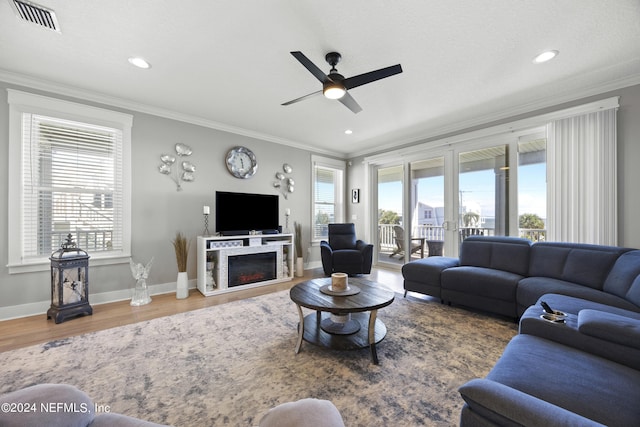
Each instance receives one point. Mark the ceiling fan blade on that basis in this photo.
(348, 101)
(302, 98)
(371, 76)
(310, 66)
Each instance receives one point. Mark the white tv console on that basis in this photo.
(213, 254)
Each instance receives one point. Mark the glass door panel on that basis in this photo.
(390, 190)
(483, 192)
(532, 188)
(427, 236)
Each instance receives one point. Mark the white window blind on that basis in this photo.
(325, 199)
(70, 185)
(328, 195)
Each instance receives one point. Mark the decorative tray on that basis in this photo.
(351, 290)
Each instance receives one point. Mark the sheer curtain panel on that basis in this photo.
(582, 178)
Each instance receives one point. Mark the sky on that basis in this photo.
(476, 189)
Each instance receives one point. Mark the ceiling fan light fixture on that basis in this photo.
(333, 90)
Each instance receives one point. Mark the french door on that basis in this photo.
(389, 210)
(459, 193)
(432, 230)
(428, 204)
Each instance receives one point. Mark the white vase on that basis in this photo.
(182, 285)
(299, 267)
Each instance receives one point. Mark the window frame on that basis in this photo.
(24, 102)
(508, 131)
(339, 204)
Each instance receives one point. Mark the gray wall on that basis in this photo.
(628, 162)
(157, 209)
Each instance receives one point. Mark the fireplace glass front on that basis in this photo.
(252, 268)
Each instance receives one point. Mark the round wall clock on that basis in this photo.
(241, 162)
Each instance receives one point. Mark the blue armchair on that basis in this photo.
(343, 253)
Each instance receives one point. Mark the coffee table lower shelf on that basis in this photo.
(314, 334)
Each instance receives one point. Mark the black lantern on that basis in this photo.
(69, 282)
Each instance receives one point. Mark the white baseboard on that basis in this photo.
(41, 307)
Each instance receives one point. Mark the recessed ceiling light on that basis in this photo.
(139, 62)
(545, 56)
(348, 131)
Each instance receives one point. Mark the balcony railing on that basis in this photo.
(387, 242)
(533, 234)
(89, 240)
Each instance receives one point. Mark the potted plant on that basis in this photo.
(297, 227)
(181, 246)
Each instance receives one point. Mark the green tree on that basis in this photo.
(322, 218)
(388, 217)
(531, 221)
(528, 224)
(471, 219)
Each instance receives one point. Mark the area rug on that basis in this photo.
(226, 365)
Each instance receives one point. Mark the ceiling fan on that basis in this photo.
(335, 85)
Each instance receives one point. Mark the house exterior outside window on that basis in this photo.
(69, 170)
(328, 195)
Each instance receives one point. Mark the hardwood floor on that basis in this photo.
(26, 331)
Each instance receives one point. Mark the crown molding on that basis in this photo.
(100, 98)
(526, 108)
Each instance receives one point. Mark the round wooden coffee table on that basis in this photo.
(342, 322)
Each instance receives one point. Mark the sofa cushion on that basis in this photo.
(304, 412)
(496, 284)
(427, 269)
(588, 265)
(491, 404)
(48, 394)
(624, 278)
(500, 253)
(588, 385)
(633, 295)
(568, 333)
(573, 305)
(610, 327)
(347, 256)
(531, 289)
(423, 275)
(342, 236)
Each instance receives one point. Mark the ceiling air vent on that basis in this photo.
(36, 14)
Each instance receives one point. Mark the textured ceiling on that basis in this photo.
(226, 64)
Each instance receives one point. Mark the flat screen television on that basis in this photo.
(239, 213)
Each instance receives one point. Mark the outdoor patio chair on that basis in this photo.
(399, 238)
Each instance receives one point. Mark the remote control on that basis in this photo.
(546, 307)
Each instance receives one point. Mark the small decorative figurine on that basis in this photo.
(140, 272)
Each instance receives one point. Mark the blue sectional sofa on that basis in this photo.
(506, 275)
(582, 369)
(539, 382)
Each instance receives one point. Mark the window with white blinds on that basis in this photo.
(70, 185)
(69, 174)
(328, 196)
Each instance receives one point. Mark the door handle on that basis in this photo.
(446, 225)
